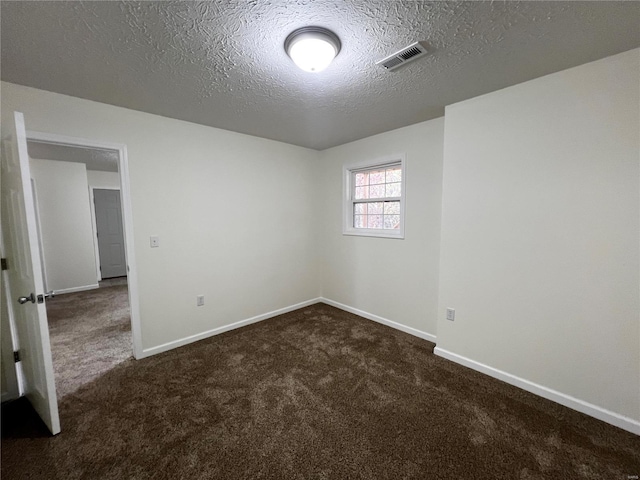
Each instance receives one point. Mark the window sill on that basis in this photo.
(374, 233)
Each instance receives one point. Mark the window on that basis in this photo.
(374, 198)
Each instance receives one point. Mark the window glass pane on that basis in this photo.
(375, 207)
(374, 221)
(376, 191)
(393, 190)
(391, 208)
(394, 174)
(371, 191)
(362, 192)
(391, 222)
(362, 178)
(376, 177)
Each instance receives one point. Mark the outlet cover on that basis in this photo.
(451, 314)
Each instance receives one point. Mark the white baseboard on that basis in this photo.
(147, 352)
(385, 321)
(600, 413)
(76, 289)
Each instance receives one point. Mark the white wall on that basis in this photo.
(100, 179)
(391, 278)
(540, 232)
(233, 212)
(65, 221)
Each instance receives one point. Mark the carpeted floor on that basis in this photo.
(90, 334)
(314, 394)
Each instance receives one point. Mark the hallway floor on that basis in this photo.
(90, 334)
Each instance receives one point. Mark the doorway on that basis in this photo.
(107, 218)
(79, 212)
(107, 307)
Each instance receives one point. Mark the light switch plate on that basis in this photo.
(451, 314)
(155, 241)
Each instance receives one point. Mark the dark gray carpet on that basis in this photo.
(314, 394)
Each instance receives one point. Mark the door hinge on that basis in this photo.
(5, 264)
(16, 356)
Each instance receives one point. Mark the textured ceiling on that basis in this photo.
(222, 63)
(93, 158)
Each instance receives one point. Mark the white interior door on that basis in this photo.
(110, 233)
(25, 274)
(10, 385)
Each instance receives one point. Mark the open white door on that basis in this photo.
(25, 274)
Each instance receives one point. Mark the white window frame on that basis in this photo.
(348, 201)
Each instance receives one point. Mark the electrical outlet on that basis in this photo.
(200, 300)
(154, 240)
(451, 314)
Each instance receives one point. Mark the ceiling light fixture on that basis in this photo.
(312, 48)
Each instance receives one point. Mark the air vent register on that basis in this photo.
(406, 55)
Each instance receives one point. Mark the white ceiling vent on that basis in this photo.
(406, 55)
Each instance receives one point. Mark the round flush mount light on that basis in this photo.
(312, 48)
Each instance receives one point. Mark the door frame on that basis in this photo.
(36, 209)
(127, 219)
(94, 223)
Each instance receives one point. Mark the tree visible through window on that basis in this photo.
(374, 203)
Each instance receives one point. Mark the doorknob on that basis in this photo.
(49, 294)
(31, 298)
